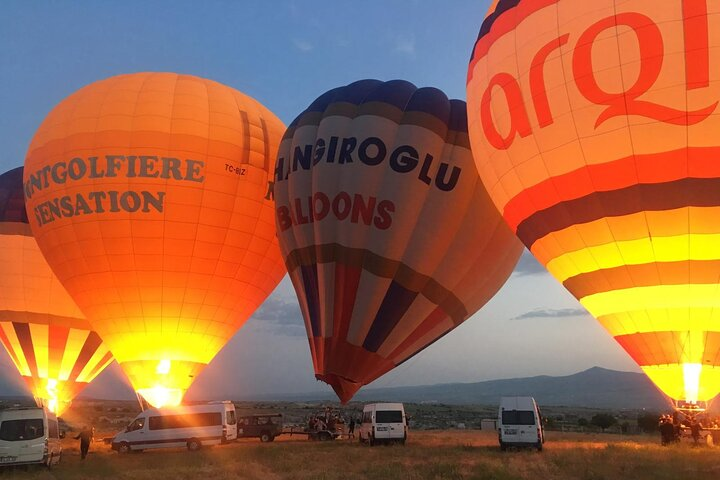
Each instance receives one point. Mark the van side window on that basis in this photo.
(138, 424)
(185, 421)
(25, 429)
(231, 417)
(53, 430)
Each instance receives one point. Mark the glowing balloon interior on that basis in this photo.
(389, 237)
(596, 136)
(46, 335)
(150, 196)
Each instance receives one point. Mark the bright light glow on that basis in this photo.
(691, 375)
(159, 396)
(51, 389)
(163, 367)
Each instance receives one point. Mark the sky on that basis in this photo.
(285, 53)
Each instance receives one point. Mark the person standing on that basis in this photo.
(85, 436)
(351, 428)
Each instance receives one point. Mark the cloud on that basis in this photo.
(405, 44)
(280, 316)
(552, 313)
(528, 265)
(303, 45)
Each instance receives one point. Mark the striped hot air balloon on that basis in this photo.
(389, 236)
(594, 126)
(48, 338)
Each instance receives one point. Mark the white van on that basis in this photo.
(383, 422)
(520, 423)
(29, 435)
(191, 426)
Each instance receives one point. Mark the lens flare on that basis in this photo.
(691, 374)
(160, 396)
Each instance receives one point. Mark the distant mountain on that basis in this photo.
(593, 388)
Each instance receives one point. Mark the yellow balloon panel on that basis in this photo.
(596, 138)
(151, 198)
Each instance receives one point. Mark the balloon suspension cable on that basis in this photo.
(143, 403)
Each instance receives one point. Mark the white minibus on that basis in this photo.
(191, 426)
(383, 422)
(520, 423)
(29, 435)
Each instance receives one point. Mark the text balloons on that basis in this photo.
(389, 237)
(148, 195)
(596, 135)
(46, 335)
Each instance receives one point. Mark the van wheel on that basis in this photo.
(539, 446)
(124, 447)
(371, 440)
(265, 437)
(193, 445)
(503, 447)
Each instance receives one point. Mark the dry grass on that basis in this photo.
(428, 455)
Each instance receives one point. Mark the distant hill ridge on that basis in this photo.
(594, 388)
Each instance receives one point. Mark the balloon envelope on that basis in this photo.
(596, 136)
(148, 194)
(389, 237)
(48, 338)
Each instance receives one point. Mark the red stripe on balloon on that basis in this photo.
(669, 348)
(22, 330)
(92, 343)
(57, 340)
(347, 281)
(692, 162)
(100, 365)
(435, 318)
(9, 347)
(697, 56)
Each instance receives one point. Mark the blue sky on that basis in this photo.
(285, 53)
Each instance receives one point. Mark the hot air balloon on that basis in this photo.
(149, 195)
(47, 337)
(389, 237)
(596, 137)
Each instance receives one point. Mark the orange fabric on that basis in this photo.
(596, 136)
(150, 195)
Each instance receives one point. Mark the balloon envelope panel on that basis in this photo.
(149, 195)
(389, 237)
(596, 137)
(48, 338)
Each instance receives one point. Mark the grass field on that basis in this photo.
(428, 455)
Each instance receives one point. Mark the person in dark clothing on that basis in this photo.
(85, 436)
(695, 428)
(351, 428)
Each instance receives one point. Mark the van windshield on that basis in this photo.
(518, 417)
(388, 416)
(24, 429)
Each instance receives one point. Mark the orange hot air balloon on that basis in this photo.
(596, 136)
(149, 196)
(46, 335)
(389, 236)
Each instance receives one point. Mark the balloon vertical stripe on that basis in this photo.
(22, 331)
(397, 301)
